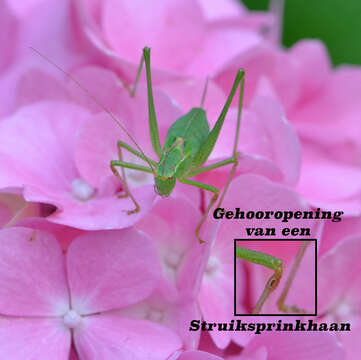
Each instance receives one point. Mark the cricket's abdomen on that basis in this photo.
(183, 141)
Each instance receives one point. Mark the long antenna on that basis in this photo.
(204, 92)
(103, 107)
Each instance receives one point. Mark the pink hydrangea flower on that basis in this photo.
(59, 299)
(43, 164)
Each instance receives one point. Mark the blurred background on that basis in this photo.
(337, 23)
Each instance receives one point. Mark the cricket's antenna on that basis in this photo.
(117, 121)
(204, 92)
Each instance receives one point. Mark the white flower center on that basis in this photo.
(173, 259)
(72, 319)
(155, 315)
(344, 310)
(212, 266)
(81, 190)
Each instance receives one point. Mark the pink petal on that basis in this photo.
(32, 277)
(283, 140)
(64, 234)
(46, 127)
(183, 258)
(103, 85)
(219, 48)
(336, 109)
(260, 62)
(335, 267)
(9, 25)
(175, 313)
(259, 194)
(298, 346)
(33, 339)
(183, 263)
(314, 67)
(29, 91)
(268, 144)
(54, 43)
(110, 270)
(329, 184)
(108, 337)
(351, 343)
(336, 231)
(167, 16)
(220, 9)
(198, 355)
(103, 212)
(188, 94)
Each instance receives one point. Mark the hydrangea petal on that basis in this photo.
(111, 269)
(32, 274)
(108, 337)
(302, 345)
(32, 339)
(198, 355)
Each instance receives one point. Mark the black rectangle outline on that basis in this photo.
(271, 239)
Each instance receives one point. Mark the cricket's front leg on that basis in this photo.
(122, 180)
(126, 165)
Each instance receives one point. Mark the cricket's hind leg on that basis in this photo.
(122, 178)
(210, 188)
(281, 301)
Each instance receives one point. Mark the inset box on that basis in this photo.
(256, 270)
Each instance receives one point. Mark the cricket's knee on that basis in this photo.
(237, 157)
(215, 196)
(121, 144)
(241, 72)
(113, 164)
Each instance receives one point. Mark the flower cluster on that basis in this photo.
(81, 277)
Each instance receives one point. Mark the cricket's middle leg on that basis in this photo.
(210, 188)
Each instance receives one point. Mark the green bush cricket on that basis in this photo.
(187, 146)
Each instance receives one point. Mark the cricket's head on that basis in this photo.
(164, 185)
